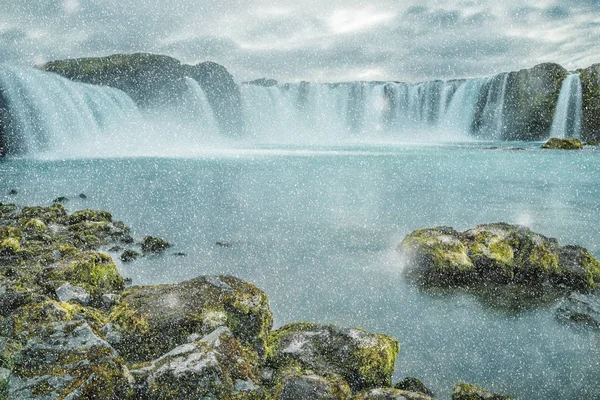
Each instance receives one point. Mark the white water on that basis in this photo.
(50, 112)
(567, 115)
(50, 115)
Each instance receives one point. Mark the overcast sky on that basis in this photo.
(324, 40)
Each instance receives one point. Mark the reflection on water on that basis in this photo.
(317, 230)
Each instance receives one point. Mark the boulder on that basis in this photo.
(68, 360)
(498, 253)
(563, 144)
(392, 394)
(590, 87)
(365, 360)
(214, 367)
(154, 245)
(465, 391)
(530, 101)
(413, 385)
(156, 319)
(129, 255)
(302, 386)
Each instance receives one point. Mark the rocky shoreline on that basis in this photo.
(71, 329)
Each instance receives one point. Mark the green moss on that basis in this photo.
(465, 391)
(89, 216)
(52, 214)
(34, 225)
(129, 319)
(563, 144)
(94, 271)
(154, 245)
(10, 232)
(9, 247)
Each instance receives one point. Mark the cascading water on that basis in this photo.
(46, 111)
(567, 115)
(198, 110)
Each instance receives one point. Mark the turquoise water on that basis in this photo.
(317, 229)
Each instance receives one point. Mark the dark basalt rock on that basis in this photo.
(413, 385)
(465, 391)
(262, 82)
(590, 87)
(151, 80)
(530, 101)
(154, 245)
(129, 255)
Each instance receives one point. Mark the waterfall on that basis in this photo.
(46, 111)
(197, 109)
(567, 115)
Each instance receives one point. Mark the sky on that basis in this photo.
(325, 40)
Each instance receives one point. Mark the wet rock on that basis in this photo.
(155, 319)
(179, 254)
(580, 310)
(223, 244)
(89, 216)
(391, 394)
(365, 360)
(215, 367)
(110, 299)
(82, 196)
(115, 249)
(95, 272)
(498, 253)
(154, 245)
(69, 293)
(413, 385)
(592, 143)
(265, 82)
(67, 358)
(298, 386)
(129, 255)
(13, 192)
(465, 391)
(563, 144)
(61, 199)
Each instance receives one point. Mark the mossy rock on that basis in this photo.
(95, 272)
(53, 214)
(392, 394)
(154, 245)
(89, 216)
(365, 360)
(465, 391)
(155, 319)
(129, 255)
(217, 366)
(496, 253)
(295, 386)
(411, 384)
(563, 144)
(35, 226)
(440, 255)
(83, 366)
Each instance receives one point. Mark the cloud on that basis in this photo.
(313, 40)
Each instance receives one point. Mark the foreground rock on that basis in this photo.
(465, 391)
(392, 394)
(155, 319)
(563, 144)
(365, 360)
(498, 253)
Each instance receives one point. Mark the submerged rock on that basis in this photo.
(155, 319)
(129, 255)
(365, 360)
(465, 391)
(498, 253)
(154, 245)
(580, 310)
(61, 199)
(563, 144)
